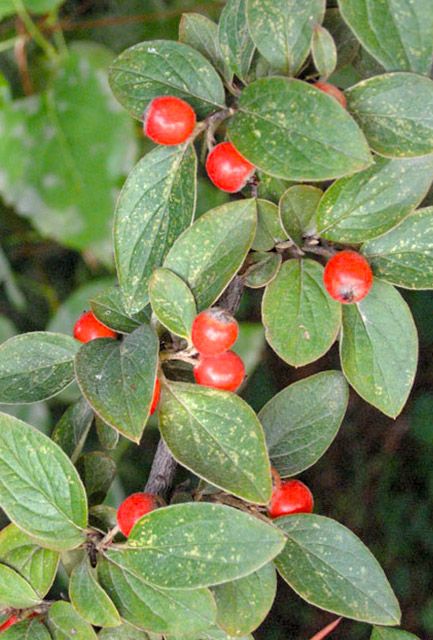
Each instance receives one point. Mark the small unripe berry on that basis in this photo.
(132, 509)
(169, 120)
(228, 170)
(225, 371)
(348, 277)
(9, 623)
(214, 331)
(333, 91)
(88, 328)
(156, 396)
(289, 497)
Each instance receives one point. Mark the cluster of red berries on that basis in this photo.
(348, 277)
(88, 328)
(289, 497)
(214, 332)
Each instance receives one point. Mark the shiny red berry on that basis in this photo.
(156, 396)
(9, 623)
(289, 497)
(348, 277)
(333, 91)
(134, 508)
(88, 328)
(225, 371)
(214, 331)
(169, 120)
(228, 170)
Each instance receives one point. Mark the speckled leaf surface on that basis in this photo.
(282, 30)
(269, 230)
(291, 130)
(16, 591)
(394, 110)
(172, 302)
(72, 429)
(27, 630)
(324, 51)
(161, 68)
(216, 633)
(40, 490)
(124, 632)
(65, 623)
(329, 567)
(234, 38)
(35, 366)
(156, 204)
(398, 33)
(297, 210)
(188, 546)
(208, 254)
(302, 421)
(97, 471)
(108, 308)
(201, 33)
(216, 435)
(300, 319)
(373, 201)
(35, 564)
(154, 609)
(89, 598)
(382, 633)
(243, 604)
(404, 255)
(262, 269)
(379, 348)
(118, 378)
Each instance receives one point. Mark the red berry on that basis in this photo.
(88, 328)
(228, 170)
(290, 496)
(333, 91)
(9, 622)
(169, 120)
(132, 509)
(225, 371)
(348, 277)
(214, 331)
(156, 396)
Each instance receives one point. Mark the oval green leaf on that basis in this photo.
(15, 591)
(234, 38)
(27, 630)
(269, 230)
(65, 623)
(124, 632)
(382, 633)
(262, 269)
(71, 431)
(201, 33)
(97, 471)
(108, 308)
(297, 209)
(89, 598)
(172, 302)
(324, 51)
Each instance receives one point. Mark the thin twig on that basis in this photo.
(327, 630)
(21, 59)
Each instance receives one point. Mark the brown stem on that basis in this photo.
(162, 472)
(21, 58)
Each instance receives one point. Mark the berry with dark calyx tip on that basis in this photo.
(132, 509)
(333, 91)
(169, 120)
(156, 396)
(289, 497)
(225, 371)
(88, 328)
(348, 277)
(228, 170)
(9, 623)
(214, 331)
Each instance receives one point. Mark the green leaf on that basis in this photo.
(243, 604)
(108, 437)
(345, 40)
(172, 302)
(250, 345)
(394, 112)
(20, 552)
(27, 630)
(118, 378)
(324, 51)
(51, 144)
(234, 38)
(124, 632)
(97, 471)
(404, 255)
(89, 598)
(153, 609)
(71, 431)
(35, 366)
(188, 546)
(108, 308)
(217, 436)
(262, 269)
(15, 591)
(65, 623)
(160, 68)
(69, 311)
(292, 130)
(399, 34)
(282, 30)
(370, 203)
(379, 348)
(329, 567)
(40, 490)
(300, 319)
(298, 206)
(302, 421)
(269, 230)
(201, 34)
(156, 204)
(208, 254)
(381, 633)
